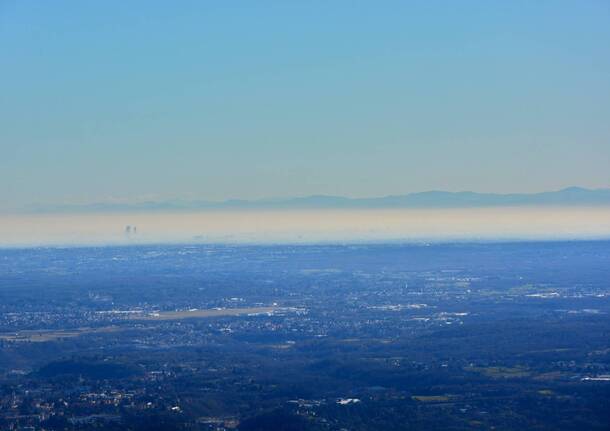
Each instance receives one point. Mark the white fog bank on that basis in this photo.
(306, 226)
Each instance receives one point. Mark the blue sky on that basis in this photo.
(214, 100)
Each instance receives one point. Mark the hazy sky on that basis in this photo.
(215, 100)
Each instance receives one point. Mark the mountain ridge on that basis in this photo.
(570, 196)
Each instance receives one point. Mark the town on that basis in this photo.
(215, 337)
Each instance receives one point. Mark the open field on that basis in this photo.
(431, 398)
(189, 314)
(501, 372)
(40, 336)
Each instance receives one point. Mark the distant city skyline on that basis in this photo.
(132, 101)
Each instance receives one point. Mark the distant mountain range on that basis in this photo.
(571, 196)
